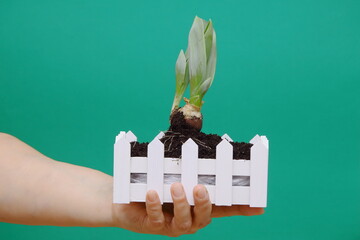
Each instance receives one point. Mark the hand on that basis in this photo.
(174, 219)
(60, 205)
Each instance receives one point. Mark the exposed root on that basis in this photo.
(170, 143)
(201, 143)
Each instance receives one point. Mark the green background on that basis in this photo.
(75, 73)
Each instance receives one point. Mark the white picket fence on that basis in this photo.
(190, 167)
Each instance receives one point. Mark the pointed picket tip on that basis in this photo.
(190, 142)
(190, 147)
(261, 145)
(160, 135)
(255, 139)
(265, 141)
(227, 137)
(122, 142)
(120, 135)
(260, 140)
(224, 144)
(130, 136)
(155, 142)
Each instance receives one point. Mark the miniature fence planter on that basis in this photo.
(155, 165)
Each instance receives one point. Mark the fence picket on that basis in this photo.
(160, 135)
(255, 139)
(227, 137)
(121, 171)
(224, 157)
(120, 135)
(189, 168)
(258, 173)
(155, 172)
(265, 141)
(130, 136)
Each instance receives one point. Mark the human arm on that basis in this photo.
(37, 190)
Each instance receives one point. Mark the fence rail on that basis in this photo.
(155, 165)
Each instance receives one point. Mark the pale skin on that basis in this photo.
(37, 190)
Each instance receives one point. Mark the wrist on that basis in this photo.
(117, 216)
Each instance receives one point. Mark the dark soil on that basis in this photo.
(179, 132)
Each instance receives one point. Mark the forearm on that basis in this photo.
(37, 190)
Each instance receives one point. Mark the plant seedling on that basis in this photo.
(197, 68)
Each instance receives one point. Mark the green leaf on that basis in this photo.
(180, 65)
(197, 65)
(182, 80)
(205, 86)
(211, 61)
(208, 35)
(197, 59)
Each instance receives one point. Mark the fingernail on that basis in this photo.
(152, 196)
(201, 193)
(177, 190)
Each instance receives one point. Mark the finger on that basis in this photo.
(202, 209)
(244, 210)
(181, 222)
(155, 219)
